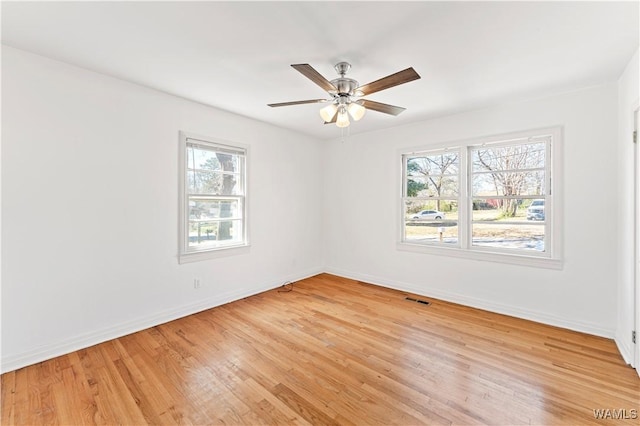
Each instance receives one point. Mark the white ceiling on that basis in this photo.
(236, 55)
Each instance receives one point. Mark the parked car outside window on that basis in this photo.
(536, 210)
(428, 214)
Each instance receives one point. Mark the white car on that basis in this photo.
(536, 210)
(428, 214)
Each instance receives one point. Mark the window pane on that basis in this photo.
(433, 175)
(432, 186)
(508, 223)
(431, 221)
(509, 183)
(523, 236)
(510, 209)
(213, 172)
(514, 157)
(212, 209)
(201, 158)
(214, 183)
(434, 164)
(203, 234)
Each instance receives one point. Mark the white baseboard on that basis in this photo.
(43, 353)
(473, 302)
(625, 349)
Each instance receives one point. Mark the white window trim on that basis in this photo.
(553, 259)
(185, 256)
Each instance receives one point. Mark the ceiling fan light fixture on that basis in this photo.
(345, 91)
(327, 113)
(343, 118)
(356, 110)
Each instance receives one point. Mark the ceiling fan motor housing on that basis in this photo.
(345, 86)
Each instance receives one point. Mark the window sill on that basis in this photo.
(213, 254)
(484, 255)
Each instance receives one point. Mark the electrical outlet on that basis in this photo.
(196, 283)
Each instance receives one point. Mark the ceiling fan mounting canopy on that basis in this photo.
(342, 68)
(346, 91)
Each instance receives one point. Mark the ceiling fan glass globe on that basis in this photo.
(343, 118)
(328, 112)
(356, 110)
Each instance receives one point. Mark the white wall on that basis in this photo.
(89, 210)
(362, 213)
(628, 102)
(90, 204)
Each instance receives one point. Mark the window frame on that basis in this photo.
(185, 253)
(551, 258)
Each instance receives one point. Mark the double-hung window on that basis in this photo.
(213, 197)
(432, 196)
(489, 199)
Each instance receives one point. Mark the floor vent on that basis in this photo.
(411, 299)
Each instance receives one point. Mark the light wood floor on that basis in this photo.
(332, 351)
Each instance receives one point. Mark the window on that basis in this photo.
(491, 199)
(213, 197)
(432, 197)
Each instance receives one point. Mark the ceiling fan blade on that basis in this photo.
(310, 101)
(380, 107)
(396, 79)
(313, 75)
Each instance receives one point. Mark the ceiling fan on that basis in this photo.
(346, 93)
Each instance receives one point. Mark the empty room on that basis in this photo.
(327, 213)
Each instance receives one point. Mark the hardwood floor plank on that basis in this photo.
(332, 351)
(8, 398)
(301, 406)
